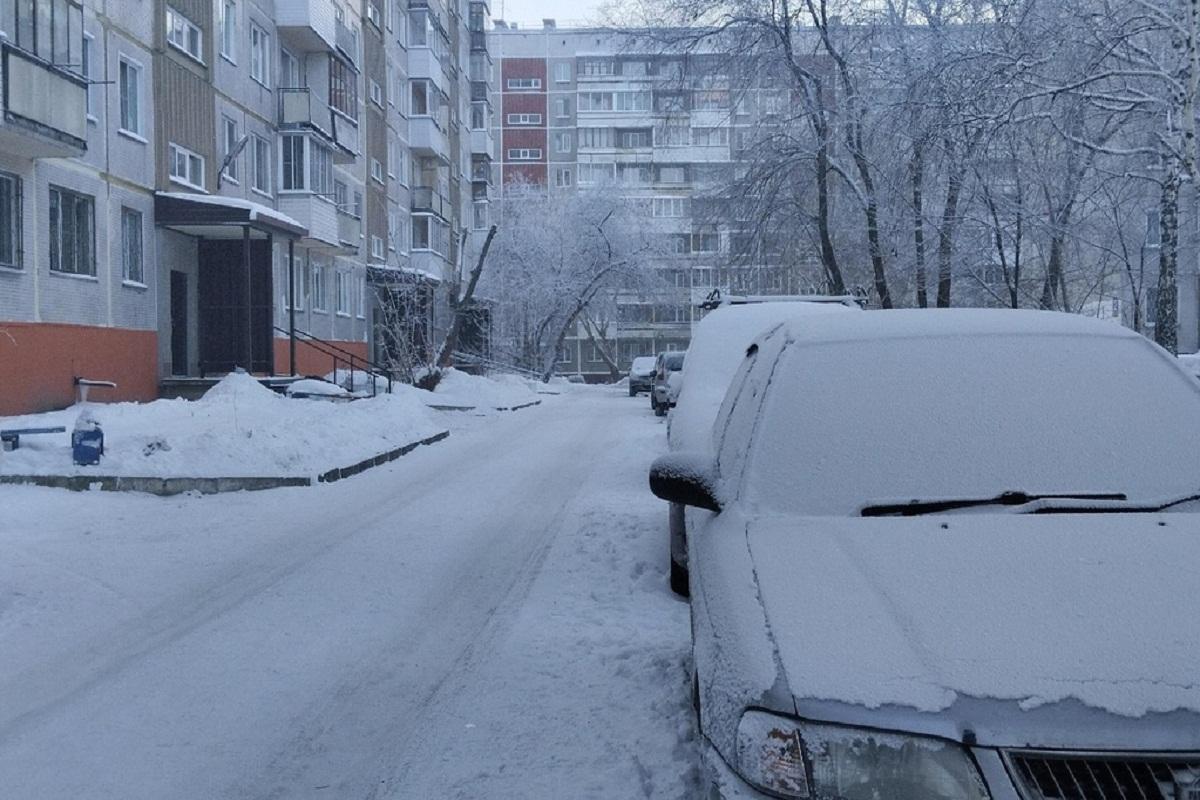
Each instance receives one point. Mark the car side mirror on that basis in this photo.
(684, 478)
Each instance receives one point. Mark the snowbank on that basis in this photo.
(238, 429)
(312, 386)
(458, 388)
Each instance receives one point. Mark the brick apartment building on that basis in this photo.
(170, 181)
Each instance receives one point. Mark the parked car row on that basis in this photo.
(938, 555)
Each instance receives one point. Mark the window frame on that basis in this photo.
(260, 55)
(57, 231)
(261, 156)
(126, 66)
(178, 21)
(231, 168)
(133, 222)
(15, 224)
(191, 157)
(228, 35)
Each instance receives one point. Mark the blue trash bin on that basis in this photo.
(87, 446)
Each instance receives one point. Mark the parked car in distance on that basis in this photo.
(718, 345)
(947, 555)
(666, 364)
(641, 375)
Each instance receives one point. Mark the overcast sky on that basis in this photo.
(532, 12)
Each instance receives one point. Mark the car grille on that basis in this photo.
(1091, 776)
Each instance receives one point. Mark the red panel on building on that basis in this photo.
(524, 104)
(522, 68)
(529, 138)
(311, 361)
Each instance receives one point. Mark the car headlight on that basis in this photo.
(795, 759)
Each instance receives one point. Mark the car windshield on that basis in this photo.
(673, 361)
(852, 424)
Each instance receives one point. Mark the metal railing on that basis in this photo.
(344, 358)
(483, 362)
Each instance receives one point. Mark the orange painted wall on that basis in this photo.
(310, 361)
(39, 360)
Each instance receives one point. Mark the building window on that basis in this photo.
(343, 87)
(260, 55)
(10, 221)
(377, 248)
(632, 140)
(562, 72)
(376, 93)
(596, 137)
(524, 83)
(670, 206)
(184, 35)
(131, 245)
(186, 167)
(231, 140)
(562, 108)
(341, 285)
(320, 168)
(360, 290)
(524, 119)
(562, 177)
(229, 30)
(318, 288)
(292, 163)
(562, 142)
(129, 86)
(290, 73)
(373, 13)
(596, 173)
(524, 153)
(597, 66)
(262, 164)
(420, 233)
(376, 170)
(479, 216)
(72, 232)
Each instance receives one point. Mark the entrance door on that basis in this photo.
(222, 300)
(179, 323)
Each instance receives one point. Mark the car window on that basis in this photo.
(848, 424)
(736, 419)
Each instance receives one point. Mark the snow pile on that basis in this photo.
(358, 381)
(458, 388)
(1191, 363)
(239, 428)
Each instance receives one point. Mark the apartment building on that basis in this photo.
(579, 108)
(183, 185)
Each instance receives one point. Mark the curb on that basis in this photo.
(165, 487)
(486, 408)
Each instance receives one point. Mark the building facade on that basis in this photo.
(579, 108)
(181, 189)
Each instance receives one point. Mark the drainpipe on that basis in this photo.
(292, 306)
(249, 344)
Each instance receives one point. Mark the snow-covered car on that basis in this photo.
(641, 375)
(947, 555)
(718, 345)
(667, 363)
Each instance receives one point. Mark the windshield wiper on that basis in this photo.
(916, 508)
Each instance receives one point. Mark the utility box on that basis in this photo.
(87, 443)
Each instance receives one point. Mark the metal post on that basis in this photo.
(291, 306)
(249, 343)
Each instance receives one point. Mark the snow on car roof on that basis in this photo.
(718, 345)
(942, 322)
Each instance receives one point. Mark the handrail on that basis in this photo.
(333, 351)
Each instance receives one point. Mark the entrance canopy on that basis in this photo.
(216, 217)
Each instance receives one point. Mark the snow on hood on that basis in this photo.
(918, 613)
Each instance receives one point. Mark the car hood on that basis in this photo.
(1066, 630)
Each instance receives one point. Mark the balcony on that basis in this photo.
(307, 25)
(423, 63)
(481, 170)
(481, 6)
(429, 200)
(45, 108)
(300, 109)
(483, 143)
(479, 192)
(316, 213)
(349, 230)
(478, 41)
(347, 42)
(346, 137)
(479, 92)
(426, 137)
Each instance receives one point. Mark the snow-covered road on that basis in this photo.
(485, 618)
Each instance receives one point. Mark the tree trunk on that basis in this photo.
(946, 236)
(872, 212)
(828, 257)
(1053, 280)
(614, 370)
(548, 364)
(461, 306)
(1166, 328)
(916, 174)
